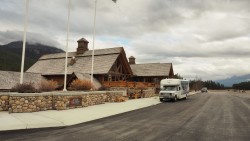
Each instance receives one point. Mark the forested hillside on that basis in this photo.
(11, 54)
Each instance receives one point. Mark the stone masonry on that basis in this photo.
(149, 92)
(34, 102)
(26, 103)
(62, 102)
(4, 103)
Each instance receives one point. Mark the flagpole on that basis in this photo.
(24, 39)
(66, 57)
(93, 49)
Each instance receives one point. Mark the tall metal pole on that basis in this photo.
(93, 49)
(24, 39)
(66, 57)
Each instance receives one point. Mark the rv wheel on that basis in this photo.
(175, 99)
(186, 97)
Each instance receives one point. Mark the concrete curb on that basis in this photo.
(193, 93)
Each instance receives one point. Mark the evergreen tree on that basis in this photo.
(198, 84)
(242, 86)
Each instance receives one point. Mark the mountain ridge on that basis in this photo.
(228, 82)
(11, 54)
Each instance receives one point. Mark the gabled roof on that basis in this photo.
(9, 79)
(83, 40)
(55, 63)
(97, 52)
(152, 69)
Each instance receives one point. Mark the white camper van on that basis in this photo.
(174, 89)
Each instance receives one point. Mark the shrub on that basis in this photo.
(24, 88)
(48, 85)
(79, 84)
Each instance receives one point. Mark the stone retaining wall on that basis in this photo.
(77, 100)
(118, 89)
(23, 103)
(114, 96)
(149, 92)
(4, 102)
(34, 102)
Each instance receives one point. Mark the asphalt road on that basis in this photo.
(202, 117)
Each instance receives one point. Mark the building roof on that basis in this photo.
(83, 40)
(55, 63)
(97, 52)
(152, 69)
(10, 78)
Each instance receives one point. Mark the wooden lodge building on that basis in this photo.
(8, 79)
(151, 72)
(111, 67)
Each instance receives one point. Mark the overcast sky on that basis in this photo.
(208, 39)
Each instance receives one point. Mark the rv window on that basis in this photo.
(169, 88)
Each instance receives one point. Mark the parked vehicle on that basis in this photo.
(173, 89)
(204, 90)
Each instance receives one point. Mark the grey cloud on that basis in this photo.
(10, 36)
(211, 68)
(228, 27)
(11, 12)
(189, 33)
(153, 16)
(82, 4)
(160, 47)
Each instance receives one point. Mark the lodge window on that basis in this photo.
(113, 78)
(106, 78)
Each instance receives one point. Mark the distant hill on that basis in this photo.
(234, 80)
(11, 55)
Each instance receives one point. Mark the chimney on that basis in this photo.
(131, 60)
(82, 46)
